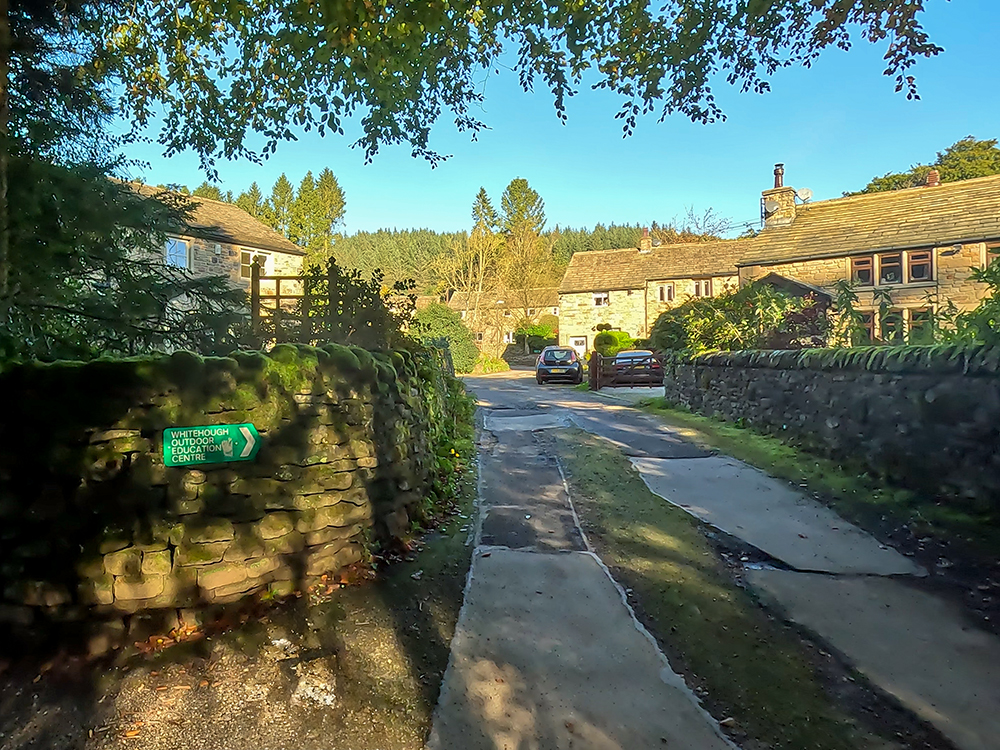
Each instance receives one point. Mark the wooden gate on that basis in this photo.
(614, 372)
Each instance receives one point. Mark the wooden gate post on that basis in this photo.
(594, 371)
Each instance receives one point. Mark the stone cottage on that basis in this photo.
(918, 245)
(628, 289)
(221, 239)
(494, 317)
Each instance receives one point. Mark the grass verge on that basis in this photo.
(748, 667)
(850, 490)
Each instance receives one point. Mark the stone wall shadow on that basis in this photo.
(62, 490)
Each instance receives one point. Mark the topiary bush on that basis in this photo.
(609, 343)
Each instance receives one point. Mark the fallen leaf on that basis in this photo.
(132, 733)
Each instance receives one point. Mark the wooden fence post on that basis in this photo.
(305, 330)
(332, 295)
(594, 371)
(255, 300)
(278, 337)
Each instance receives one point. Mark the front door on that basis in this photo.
(580, 344)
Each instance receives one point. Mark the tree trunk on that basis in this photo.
(5, 48)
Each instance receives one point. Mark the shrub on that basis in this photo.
(537, 335)
(488, 364)
(756, 316)
(436, 322)
(609, 343)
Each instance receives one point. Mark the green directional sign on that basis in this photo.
(210, 444)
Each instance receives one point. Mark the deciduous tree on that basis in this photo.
(220, 71)
(963, 160)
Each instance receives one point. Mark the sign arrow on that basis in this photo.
(250, 442)
(210, 444)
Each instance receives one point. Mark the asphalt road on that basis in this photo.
(516, 394)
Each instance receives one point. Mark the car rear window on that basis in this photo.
(623, 356)
(559, 356)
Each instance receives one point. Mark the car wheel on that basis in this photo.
(539, 380)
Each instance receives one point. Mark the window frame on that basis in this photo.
(928, 323)
(665, 292)
(875, 268)
(703, 287)
(187, 252)
(267, 256)
(597, 296)
(892, 326)
(909, 266)
(991, 251)
(900, 266)
(854, 265)
(868, 321)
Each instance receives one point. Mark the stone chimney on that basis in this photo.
(933, 178)
(778, 203)
(646, 243)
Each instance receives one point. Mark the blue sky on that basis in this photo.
(835, 126)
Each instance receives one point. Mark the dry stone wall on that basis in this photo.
(94, 526)
(924, 417)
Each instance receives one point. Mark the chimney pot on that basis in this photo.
(779, 175)
(646, 243)
(933, 178)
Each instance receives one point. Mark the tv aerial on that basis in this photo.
(804, 194)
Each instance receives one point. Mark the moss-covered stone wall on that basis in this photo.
(94, 526)
(924, 417)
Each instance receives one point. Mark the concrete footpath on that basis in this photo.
(547, 654)
(862, 598)
(913, 645)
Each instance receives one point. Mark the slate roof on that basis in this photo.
(537, 298)
(607, 270)
(217, 221)
(953, 212)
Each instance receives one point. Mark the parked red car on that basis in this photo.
(637, 367)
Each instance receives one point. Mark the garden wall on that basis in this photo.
(94, 526)
(924, 417)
